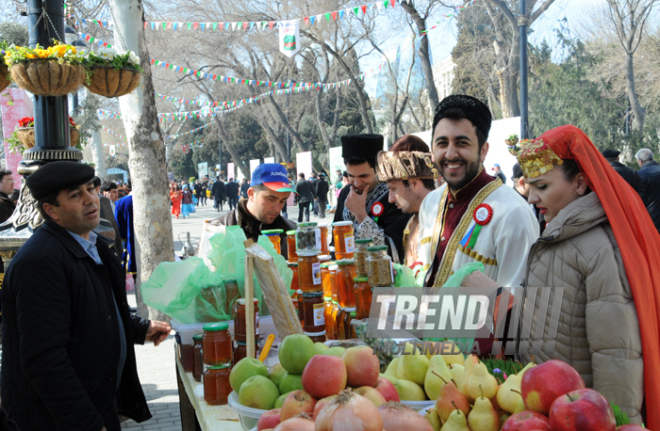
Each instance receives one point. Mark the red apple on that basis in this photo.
(631, 427)
(525, 421)
(543, 384)
(582, 410)
(324, 375)
(322, 403)
(295, 403)
(296, 424)
(270, 419)
(371, 394)
(362, 366)
(387, 390)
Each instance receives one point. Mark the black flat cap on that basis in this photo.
(473, 109)
(610, 153)
(517, 171)
(54, 177)
(364, 146)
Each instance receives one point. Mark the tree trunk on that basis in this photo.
(236, 157)
(152, 221)
(638, 112)
(98, 157)
(508, 92)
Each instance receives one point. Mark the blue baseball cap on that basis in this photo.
(273, 176)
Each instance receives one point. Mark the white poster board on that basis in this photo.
(202, 170)
(336, 163)
(269, 159)
(230, 171)
(239, 175)
(304, 164)
(254, 163)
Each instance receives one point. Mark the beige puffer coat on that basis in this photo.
(598, 332)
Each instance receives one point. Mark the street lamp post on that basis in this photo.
(523, 22)
(288, 139)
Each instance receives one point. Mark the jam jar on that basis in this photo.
(314, 308)
(363, 296)
(216, 343)
(240, 330)
(306, 236)
(345, 283)
(275, 238)
(291, 246)
(216, 384)
(342, 232)
(309, 271)
(198, 360)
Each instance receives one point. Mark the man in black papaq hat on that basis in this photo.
(67, 336)
(631, 176)
(365, 201)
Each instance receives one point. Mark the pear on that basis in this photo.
(431, 415)
(509, 393)
(470, 361)
(483, 416)
(480, 380)
(392, 379)
(453, 359)
(409, 391)
(520, 406)
(391, 367)
(432, 345)
(458, 374)
(456, 422)
(413, 368)
(527, 367)
(437, 375)
(449, 399)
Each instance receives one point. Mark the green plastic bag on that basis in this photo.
(404, 276)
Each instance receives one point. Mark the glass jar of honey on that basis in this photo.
(380, 267)
(341, 323)
(334, 268)
(198, 359)
(301, 309)
(216, 343)
(275, 238)
(313, 312)
(306, 236)
(240, 351)
(240, 331)
(323, 238)
(327, 315)
(331, 330)
(325, 276)
(216, 384)
(361, 254)
(345, 283)
(342, 232)
(317, 337)
(362, 297)
(309, 271)
(348, 317)
(291, 246)
(295, 284)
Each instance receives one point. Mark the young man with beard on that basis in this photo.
(471, 218)
(365, 201)
(410, 175)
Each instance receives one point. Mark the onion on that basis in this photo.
(302, 422)
(397, 417)
(349, 412)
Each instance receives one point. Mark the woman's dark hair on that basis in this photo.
(570, 169)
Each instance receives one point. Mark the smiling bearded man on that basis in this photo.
(471, 218)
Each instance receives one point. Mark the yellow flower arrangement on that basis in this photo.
(61, 52)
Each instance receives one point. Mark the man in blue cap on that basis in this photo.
(267, 195)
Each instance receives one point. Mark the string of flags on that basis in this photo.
(92, 40)
(105, 129)
(176, 135)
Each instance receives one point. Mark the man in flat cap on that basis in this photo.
(67, 337)
(631, 176)
(471, 218)
(410, 175)
(365, 201)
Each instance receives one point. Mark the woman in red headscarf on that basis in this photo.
(601, 247)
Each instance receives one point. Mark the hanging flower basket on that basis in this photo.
(47, 77)
(26, 136)
(4, 77)
(110, 82)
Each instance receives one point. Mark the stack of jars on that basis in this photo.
(310, 307)
(274, 236)
(240, 330)
(216, 352)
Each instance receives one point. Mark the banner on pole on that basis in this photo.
(304, 163)
(230, 170)
(202, 170)
(253, 165)
(112, 151)
(269, 159)
(289, 37)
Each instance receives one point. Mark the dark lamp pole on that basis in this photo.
(523, 22)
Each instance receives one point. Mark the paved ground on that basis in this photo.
(156, 364)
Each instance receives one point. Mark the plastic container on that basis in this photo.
(313, 312)
(216, 384)
(247, 416)
(309, 271)
(216, 343)
(342, 232)
(274, 237)
(345, 283)
(380, 267)
(306, 237)
(363, 294)
(291, 246)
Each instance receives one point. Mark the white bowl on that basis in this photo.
(246, 415)
(418, 405)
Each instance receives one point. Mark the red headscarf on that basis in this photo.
(638, 241)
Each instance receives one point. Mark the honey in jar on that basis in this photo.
(363, 295)
(198, 359)
(309, 271)
(240, 352)
(240, 330)
(216, 343)
(323, 239)
(317, 337)
(345, 283)
(301, 309)
(313, 312)
(216, 384)
(327, 315)
(274, 236)
(342, 232)
(341, 323)
(348, 317)
(295, 285)
(331, 327)
(333, 281)
(291, 246)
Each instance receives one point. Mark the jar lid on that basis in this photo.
(216, 326)
(272, 232)
(361, 279)
(241, 301)
(326, 265)
(312, 294)
(333, 266)
(342, 223)
(324, 257)
(198, 337)
(299, 291)
(308, 252)
(335, 302)
(345, 262)
(377, 248)
(314, 334)
(291, 232)
(327, 298)
(292, 263)
(308, 224)
(325, 225)
(218, 367)
(353, 314)
(364, 241)
(349, 309)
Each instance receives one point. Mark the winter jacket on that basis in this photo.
(186, 197)
(598, 331)
(631, 177)
(218, 191)
(305, 190)
(60, 337)
(650, 175)
(231, 189)
(7, 207)
(252, 226)
(321, 190)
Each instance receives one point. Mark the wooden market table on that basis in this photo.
(196, 414)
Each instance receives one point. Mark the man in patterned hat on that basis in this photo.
(410, 175)
(471, 218)
(364, 202)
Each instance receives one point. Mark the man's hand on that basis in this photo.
(158, 332)
(356, 203)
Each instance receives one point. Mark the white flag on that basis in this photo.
(112, 151)
(289, 38)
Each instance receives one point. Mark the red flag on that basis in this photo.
(364, 8)
(245, 26)
(195, 25)
(270, 24)
(306, 20)
(334, 16)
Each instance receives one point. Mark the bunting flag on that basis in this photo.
(105, 129)
(289, 38)
(189, 131)
(93, 41)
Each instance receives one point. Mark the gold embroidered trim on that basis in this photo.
(459, 232)
(426, 267)
(476, 256)
(426, 240)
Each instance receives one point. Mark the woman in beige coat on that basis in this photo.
(598, 233)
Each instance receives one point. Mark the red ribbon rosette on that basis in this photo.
(377, 209)
(483, 214)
